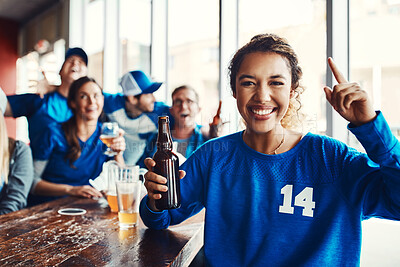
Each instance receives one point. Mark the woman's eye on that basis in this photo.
(83, 96)
(246, 83)
(276, 83)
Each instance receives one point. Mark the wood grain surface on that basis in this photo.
(39, 236)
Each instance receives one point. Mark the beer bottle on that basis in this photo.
(216, 123)
(167, 165)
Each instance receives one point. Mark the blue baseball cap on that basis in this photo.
(77, 51)
(137, 82)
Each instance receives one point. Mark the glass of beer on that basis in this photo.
(113, 171)
(109, 130)
(128, 195)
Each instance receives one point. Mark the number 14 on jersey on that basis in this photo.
(303, 199)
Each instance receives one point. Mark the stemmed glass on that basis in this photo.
(109, 131)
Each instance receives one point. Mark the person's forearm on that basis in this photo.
(119, 158)
(45, 188)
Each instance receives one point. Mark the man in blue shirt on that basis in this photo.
(187, 135)
(136, 111)
(52, 108)
(137, 114)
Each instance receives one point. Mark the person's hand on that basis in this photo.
(84, 191)
(216, 125)
(155, 183)
(43, 87)
(349, 99)
(118, 144)
(217, 117)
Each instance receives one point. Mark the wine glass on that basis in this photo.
(109, 131)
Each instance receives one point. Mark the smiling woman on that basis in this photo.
(263, 91)
(71, 153)
(268, 178)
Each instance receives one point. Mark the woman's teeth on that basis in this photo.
(262, 111)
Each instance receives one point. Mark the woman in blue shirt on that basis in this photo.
(276, 197)
(71, 153)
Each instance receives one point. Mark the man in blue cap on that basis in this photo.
(138, 115)
(42, 112)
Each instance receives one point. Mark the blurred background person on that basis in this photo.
(71, 153)
(42, 111)
(138, 114)
(16, 168)
(187, 135)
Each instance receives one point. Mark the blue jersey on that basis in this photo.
(194, 142)
(53, 148)
(42, 113)
(303, 207)
(137, 130)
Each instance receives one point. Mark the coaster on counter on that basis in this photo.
(71, 211)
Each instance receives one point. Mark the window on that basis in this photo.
(29, 69)
(304, 18)
(94, 39)
(193, 41)
(374, 57)
(135, 35)
(375, 65)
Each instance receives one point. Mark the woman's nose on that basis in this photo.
(263, 93)
(92, 100)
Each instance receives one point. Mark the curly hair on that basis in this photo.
(271, 43)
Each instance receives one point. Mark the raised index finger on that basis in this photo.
(336, 72)
(44, 75)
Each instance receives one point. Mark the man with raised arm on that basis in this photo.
(52, 107)
(137, 115)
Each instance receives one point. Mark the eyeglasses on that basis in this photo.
(179, 102)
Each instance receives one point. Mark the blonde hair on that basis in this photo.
(4, 149)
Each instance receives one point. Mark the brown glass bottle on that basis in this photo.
(216, 124)
(167, 165)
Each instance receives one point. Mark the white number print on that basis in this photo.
(303, 199)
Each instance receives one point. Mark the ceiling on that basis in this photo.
(23, 10)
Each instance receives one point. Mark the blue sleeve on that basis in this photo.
(149, 150)
(113, 102)
(160, 109)
(192, 198)
(195, 141)
(25, 104)
(43, 149)
(374, 180)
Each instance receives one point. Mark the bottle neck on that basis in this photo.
(164, 140)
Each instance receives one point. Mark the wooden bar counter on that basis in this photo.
(39, 236)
